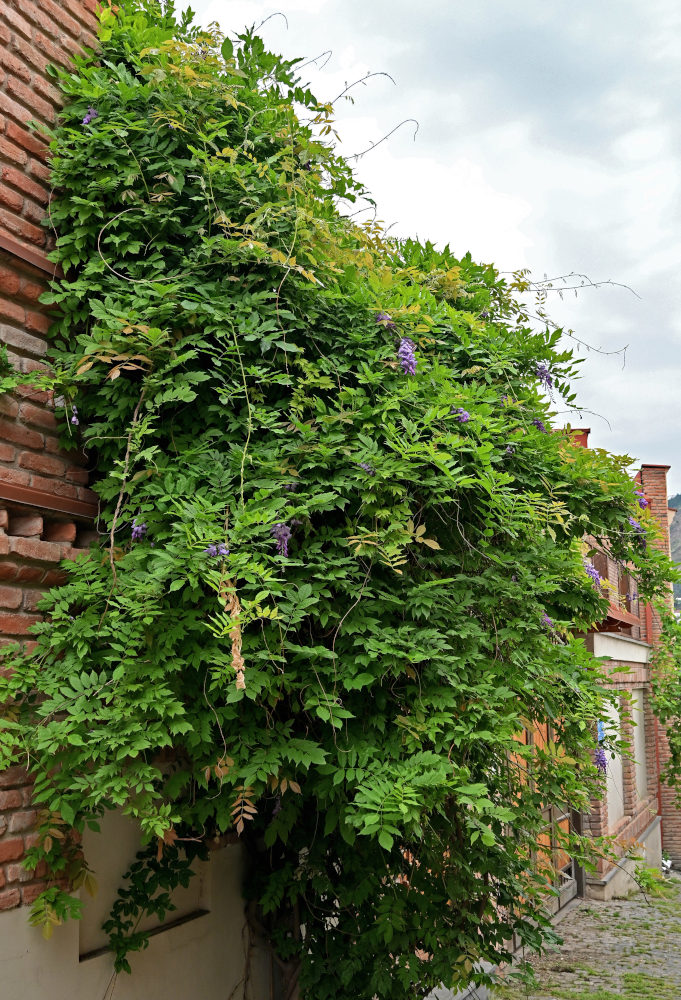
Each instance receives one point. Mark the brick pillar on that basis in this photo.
(653, 479)
(45, 506)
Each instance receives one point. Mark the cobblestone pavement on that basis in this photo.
(626, 948)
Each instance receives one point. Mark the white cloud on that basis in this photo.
(549, 137)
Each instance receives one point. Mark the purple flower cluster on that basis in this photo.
(642, 502)
(291, 487)
(510, 449)
(367, 468)
(406, 355)
(138, 531)
(74, 415)
(544, 375)
(463, 416)
(601, 759)
(385, 319)
(484, 314)
(592, 573)
(215, 550)
(92, 113)
(546, 621)
(282, 535)
(539, 425)
(638, 528)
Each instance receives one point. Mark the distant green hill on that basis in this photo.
(675, 538)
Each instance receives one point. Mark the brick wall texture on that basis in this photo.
(33, 540)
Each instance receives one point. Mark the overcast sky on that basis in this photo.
(550, 138)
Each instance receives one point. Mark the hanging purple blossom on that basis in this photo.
(291, 487)
(282, 534)
(367, 468)
(385, 320)
(406, 355)
(601, 760)
(74, 415)
(463, 416)
(92, 113)
(138, 531)
(484, 314)
(543, 373)
(539, 425)
(592, 573)
(215, 550)
(510, 449)
(642, 501)
(638, 528)
(546, 621)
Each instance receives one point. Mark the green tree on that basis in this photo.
(342, 553)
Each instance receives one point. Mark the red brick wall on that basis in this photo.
(44, 500)
(654, 482)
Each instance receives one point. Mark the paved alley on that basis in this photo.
(626, 948)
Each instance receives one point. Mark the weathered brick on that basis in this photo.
(17, 624)
(15, 154)
(14, 65)
(20, 227)
(10, 282)
(8, 309)
(23, 137)
(37, 416)
(27, 95)
(11, 799)
(29, 548)
(37, 322)
(4, 545)
(11, 199)
(3, 828)
(17, 179)
(13, 110)
(29, 574)
(60, 531)
(31, 291)
(20, 435)
(27, 526)
(17, 873)
(10, 597)
(7, 452)
(39, 170)
(21, 821)
(31, 598)
(9, 899)
(16, 337)
(4, 518)
(53, 578)
(56, 486)
(8, 406)
(16, 476)
(29, 893)
(77, 476)
(56, 14)
(11, 850)
(13, 777)
(16, 21)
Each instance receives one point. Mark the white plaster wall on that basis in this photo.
(202, 959)
(614, 776)
(620, 647)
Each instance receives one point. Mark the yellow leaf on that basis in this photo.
(431, 543)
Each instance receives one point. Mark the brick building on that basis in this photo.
(637, 808)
